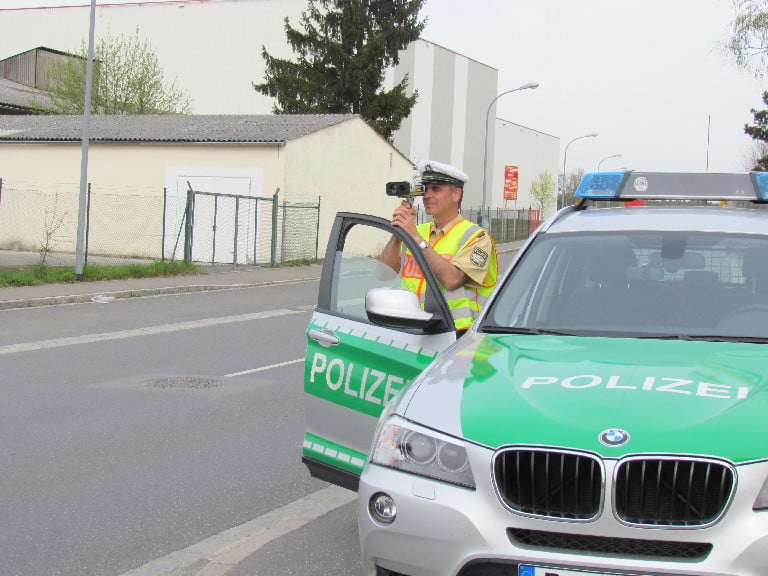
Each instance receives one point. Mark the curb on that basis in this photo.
(106, 297)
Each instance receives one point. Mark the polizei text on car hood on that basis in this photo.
(680, 397)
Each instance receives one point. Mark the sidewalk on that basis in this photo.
(211, 278)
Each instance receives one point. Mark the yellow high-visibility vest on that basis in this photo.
(466, 301)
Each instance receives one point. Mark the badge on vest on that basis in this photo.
(478, 257)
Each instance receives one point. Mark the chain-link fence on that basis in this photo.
(39, 223)
(505, 225)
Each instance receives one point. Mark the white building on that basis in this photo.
(213, 49)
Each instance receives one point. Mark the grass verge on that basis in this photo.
(36, 275)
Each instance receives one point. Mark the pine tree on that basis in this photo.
(759, 131)
(342, 55)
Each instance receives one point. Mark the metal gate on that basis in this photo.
(246, 230)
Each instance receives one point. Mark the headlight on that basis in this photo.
(761, 502)
(423, 453)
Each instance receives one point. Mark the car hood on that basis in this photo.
(669, 396)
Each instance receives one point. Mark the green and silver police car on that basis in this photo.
(607, 414)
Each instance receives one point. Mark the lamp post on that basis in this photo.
(85, 140)
(484, 217)
(607, 158)
(565, 156)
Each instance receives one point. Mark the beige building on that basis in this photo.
(528, 151)
(336, 161)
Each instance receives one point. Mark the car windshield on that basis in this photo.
(638, 284)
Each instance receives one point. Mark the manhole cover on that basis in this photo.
(183, 382)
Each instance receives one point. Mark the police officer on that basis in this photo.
(461, 254)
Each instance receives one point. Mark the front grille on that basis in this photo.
(607, 546)
(549, 483)
(672, 492)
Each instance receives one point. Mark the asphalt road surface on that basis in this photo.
(162, 436)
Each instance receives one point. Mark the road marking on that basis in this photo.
(263, 368)
(148, 331)
(217, 555)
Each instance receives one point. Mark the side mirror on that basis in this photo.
(396, 308)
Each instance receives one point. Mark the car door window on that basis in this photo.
(359, 269)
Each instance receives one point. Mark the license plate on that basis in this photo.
(527, 570)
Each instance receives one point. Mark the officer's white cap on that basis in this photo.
(432, 171)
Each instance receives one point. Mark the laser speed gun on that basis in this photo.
(405, 190)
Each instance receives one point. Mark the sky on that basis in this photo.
(649, 77)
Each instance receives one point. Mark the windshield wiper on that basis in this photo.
(705, 338)
(717, 338)
(532, 331)
(650, 336)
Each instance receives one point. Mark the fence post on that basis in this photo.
(514, 225)
(237, 229)
(162, 235)
(256, 231)
(188, 224)
(215, 222)
(273, 257)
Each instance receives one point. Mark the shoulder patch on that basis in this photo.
(479, 257)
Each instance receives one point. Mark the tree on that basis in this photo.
(759, 131)
(542, 189)
(748, 43)
(753, 155)
(127, 79)
(343, 52)
(572, 182)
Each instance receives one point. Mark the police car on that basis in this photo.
(607, 414)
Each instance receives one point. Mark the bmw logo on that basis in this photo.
(614, 437)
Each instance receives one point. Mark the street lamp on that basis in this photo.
(85, 141)
(565, 155)
(484, 217)
(607, 158)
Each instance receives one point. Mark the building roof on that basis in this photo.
(18, 97)
(168, 128)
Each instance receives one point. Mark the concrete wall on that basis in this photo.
(127, 187)
(533, 152)
(347, 166)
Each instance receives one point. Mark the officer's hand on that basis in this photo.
(404, 216)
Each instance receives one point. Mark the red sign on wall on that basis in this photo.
(510, 182)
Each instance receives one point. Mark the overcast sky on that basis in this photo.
(649, 76)
(646, 75)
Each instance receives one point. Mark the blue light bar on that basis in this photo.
(601, 185)
(761, 183)
(700, 186)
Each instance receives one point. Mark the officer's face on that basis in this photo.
(441, 199)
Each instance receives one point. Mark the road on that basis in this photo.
(161, 435)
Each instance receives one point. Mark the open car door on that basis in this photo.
(355, 365)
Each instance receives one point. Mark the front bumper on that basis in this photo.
(444, 530)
